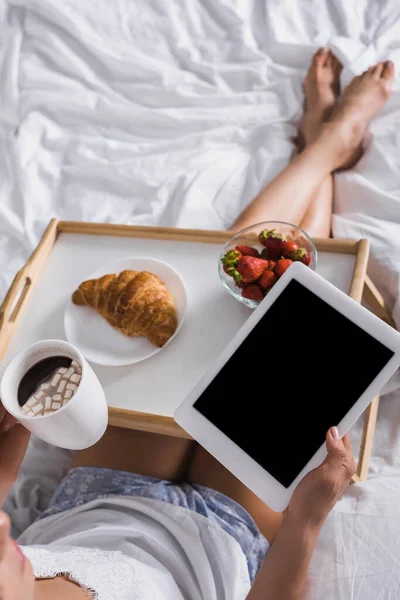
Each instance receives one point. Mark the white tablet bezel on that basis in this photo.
(247, 470)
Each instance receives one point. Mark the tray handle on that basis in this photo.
(23, 283)
(15, 298)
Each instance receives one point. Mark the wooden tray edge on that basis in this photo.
(131, 419)
(190, 235)
(23, 284)
(359, 271)
(25, 280)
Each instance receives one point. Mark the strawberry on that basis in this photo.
(267, 279)
(271, 263)
(281, 265)
(264, 255)
(288, 247)
(302, 255)
(273, 242)
(247, 251)
(230, 259)
(234, 273)
(253, 292)
(251, 268)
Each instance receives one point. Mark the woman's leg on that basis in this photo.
(139, 452)
(205, 470)
(318, 219)
(321, 88)
(288, 197)
(361, 99)
(337, 145)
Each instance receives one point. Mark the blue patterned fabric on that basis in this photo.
(84, 484)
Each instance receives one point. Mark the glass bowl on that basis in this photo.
(249, 237)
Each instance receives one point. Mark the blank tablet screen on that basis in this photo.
(297, 373)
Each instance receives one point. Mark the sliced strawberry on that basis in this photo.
(282, 265)
(288, 247)
(301, 255)
(252, 291)
(267, 279)
(247, 251)
(251, 268)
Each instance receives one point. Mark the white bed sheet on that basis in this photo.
(176, 112)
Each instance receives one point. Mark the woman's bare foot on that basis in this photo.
(361, 100)
(321, 89)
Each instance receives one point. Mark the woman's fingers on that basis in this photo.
(13, 445)
(3, 413)
(7, 423)
(340, 454)
(347, 444)
(4, 533)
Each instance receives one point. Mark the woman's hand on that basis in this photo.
(16, 576)
(320, 489)
(14, 441)
(284, 572)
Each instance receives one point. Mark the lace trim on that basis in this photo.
(104, 575)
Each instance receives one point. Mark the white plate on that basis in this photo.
(102, 344)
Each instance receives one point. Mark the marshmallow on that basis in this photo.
(55, 380)
(55, 392)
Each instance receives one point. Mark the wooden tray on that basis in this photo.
(145, 395)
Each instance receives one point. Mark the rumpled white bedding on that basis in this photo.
(176, 112)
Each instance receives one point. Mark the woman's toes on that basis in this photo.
(328, 56)
(315, 57)
(388, 70)
(337, 65)
(377, 70)
(320, 57)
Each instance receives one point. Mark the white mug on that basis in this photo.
(77, 425)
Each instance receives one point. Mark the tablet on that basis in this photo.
(308, 358)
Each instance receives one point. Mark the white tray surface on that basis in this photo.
(159, 384)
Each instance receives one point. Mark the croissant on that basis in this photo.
(137, 303)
